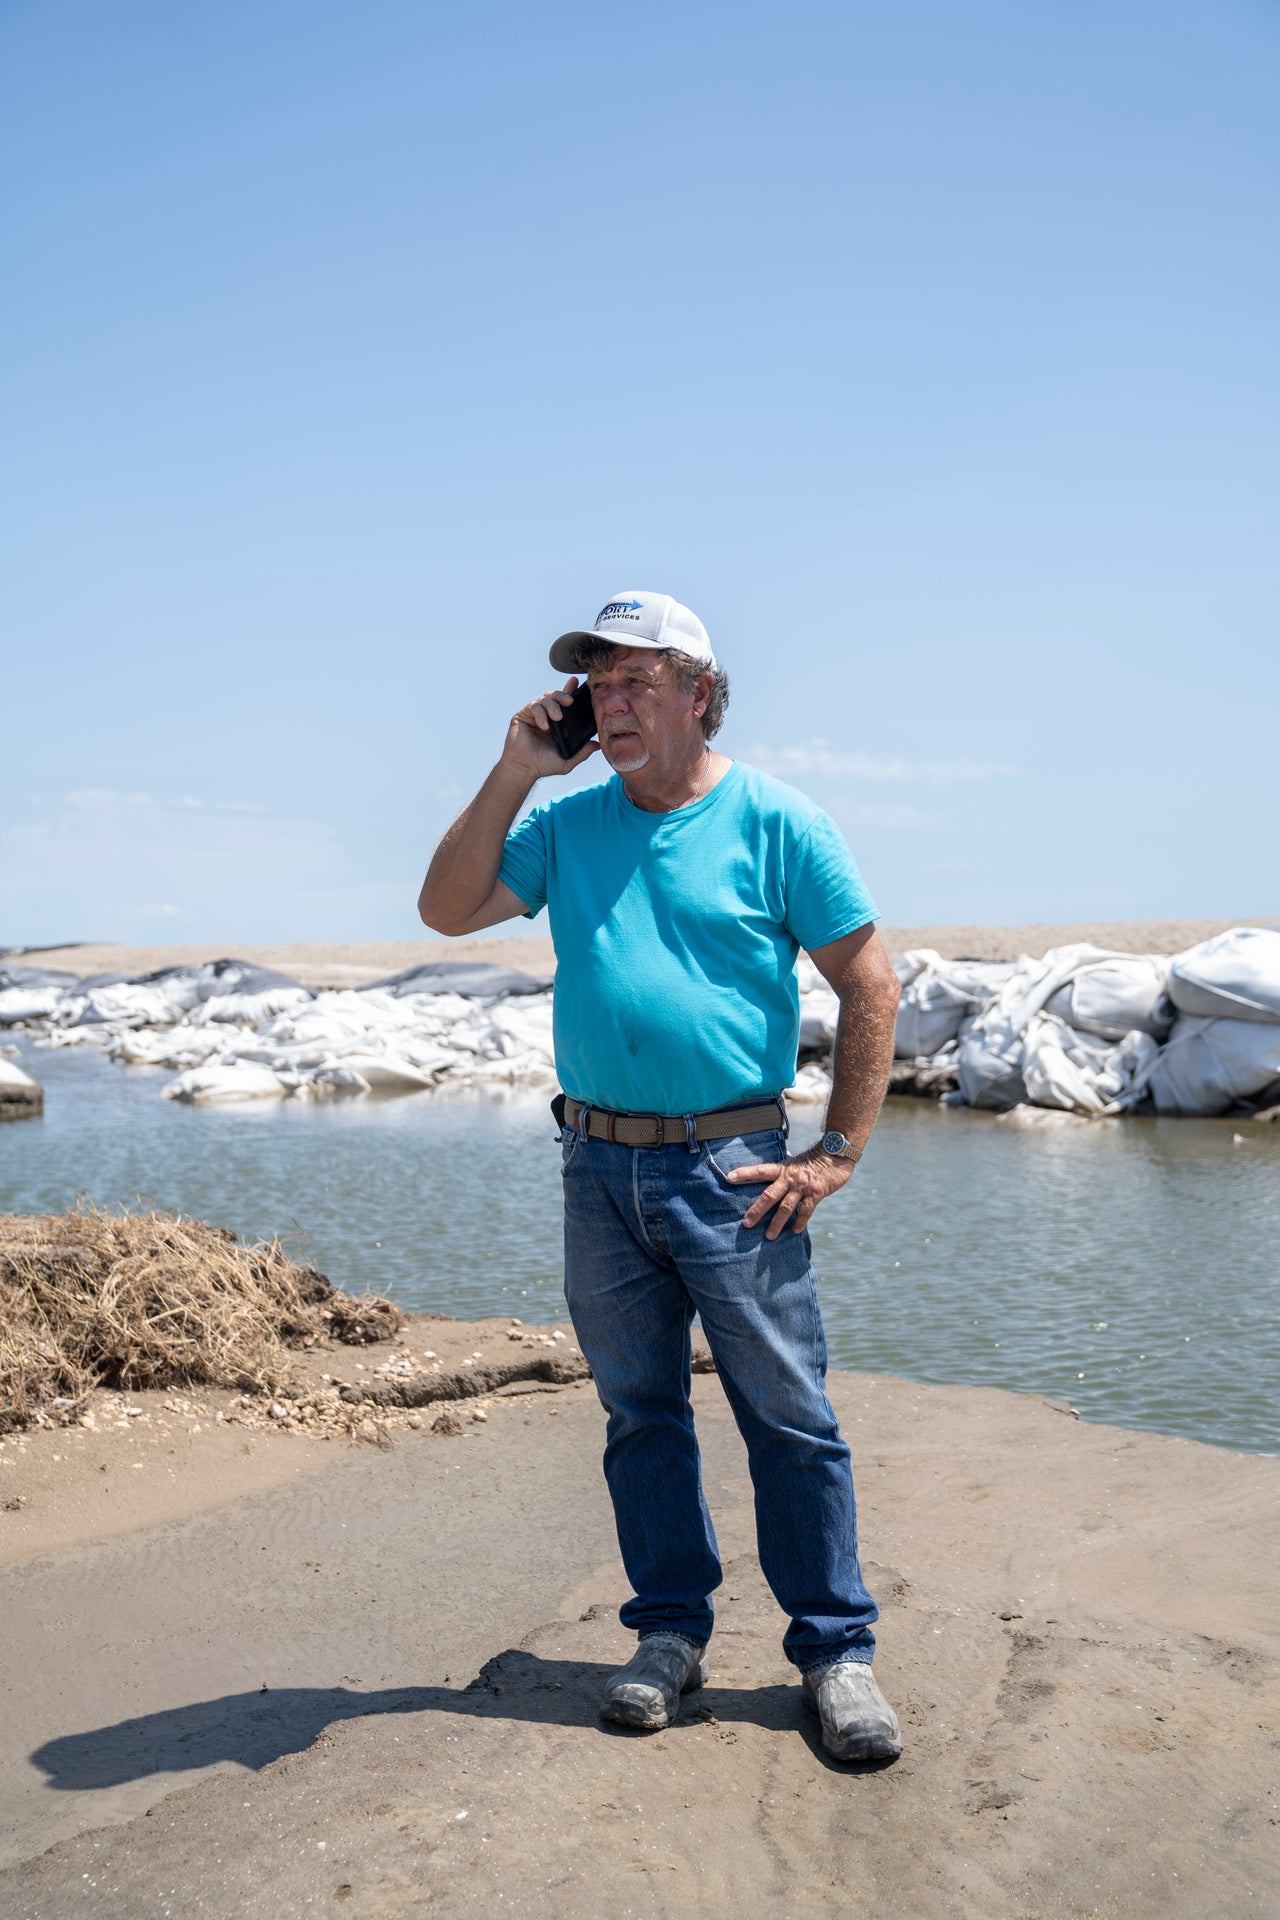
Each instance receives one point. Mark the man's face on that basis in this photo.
(640, 708)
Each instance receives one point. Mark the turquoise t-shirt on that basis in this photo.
(676, 936)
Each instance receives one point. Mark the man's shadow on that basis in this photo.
(253, 1729)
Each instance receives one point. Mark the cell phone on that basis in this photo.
(576, 725)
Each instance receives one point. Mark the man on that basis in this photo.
(680, 893)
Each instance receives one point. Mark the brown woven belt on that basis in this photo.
(671, 1130)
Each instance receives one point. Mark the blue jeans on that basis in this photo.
(653, 1235)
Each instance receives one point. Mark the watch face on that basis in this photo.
(833, 1142)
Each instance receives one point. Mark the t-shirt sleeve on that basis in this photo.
(524, 861)
(826, 897)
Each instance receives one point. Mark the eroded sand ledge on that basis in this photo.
(1078, 1631)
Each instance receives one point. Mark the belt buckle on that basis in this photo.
(659, 1128)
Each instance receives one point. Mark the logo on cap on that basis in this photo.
(619, 609)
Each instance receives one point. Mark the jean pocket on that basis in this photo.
(746, 1150)
(570, 1141)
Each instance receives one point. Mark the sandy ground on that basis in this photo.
(162, 1455)
(1078, 1632)
(356, 963)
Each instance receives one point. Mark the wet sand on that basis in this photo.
(354, 964)
(1078, 1632)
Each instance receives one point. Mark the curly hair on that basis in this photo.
(688, 671)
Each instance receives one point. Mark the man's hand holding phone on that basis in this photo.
(540, 733)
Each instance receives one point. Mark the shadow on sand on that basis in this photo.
(253, 1729)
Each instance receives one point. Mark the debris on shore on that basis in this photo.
(92, 1299)
(98, 1307)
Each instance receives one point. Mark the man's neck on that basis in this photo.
(656, 789)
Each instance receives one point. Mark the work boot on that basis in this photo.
(646, 1693)
(857, 1721)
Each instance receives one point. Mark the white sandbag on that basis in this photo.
(990, 1051)
(205, 1086)
(250, 1009)
(21, 1097)
(991, 1048)
(1235, 976)
(297, 1056)
(519, 1070)
(178, 1047)
(930, 1013)
(141, 1003)
(432, 1012)
(928, 1075)
(52, 1035)
(1117, 996)
(336, 1079)
(808, 979)
(1081, 1072)
(428, 1056)
(989, 1067)
(1205, 1066)
(811, 1087)
(342, 1015)
(916, 960)
(938, 997)
(819, 1012)
(27, 1003)
(979, 978)
(238, 979)
(385, 1073)
(521, 1026)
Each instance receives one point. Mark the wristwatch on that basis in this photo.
(839, 1148)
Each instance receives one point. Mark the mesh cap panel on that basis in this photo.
(683, 625)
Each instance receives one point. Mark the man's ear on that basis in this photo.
(702, 698)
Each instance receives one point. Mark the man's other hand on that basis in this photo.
(794, 1190)
(529, 746)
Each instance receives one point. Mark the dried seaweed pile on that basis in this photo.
(97, 1299)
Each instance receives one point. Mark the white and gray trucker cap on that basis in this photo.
(639, 619)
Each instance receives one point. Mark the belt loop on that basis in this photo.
(584, 1121)
(786, 1118)
(691, 1131)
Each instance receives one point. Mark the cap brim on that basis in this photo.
(562, 650)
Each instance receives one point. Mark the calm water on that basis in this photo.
(1130, 1269)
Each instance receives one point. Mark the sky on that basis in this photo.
(349, 354)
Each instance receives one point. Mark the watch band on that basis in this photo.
(838, 1147)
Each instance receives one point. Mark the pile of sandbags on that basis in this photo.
(1224, 1047)
(1082, 1030)
(1094, 1032)
(231, 1031)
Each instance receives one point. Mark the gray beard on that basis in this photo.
(635, 765)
